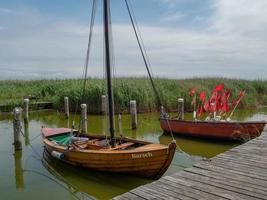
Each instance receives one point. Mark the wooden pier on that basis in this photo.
(240, 173)
(32, 106)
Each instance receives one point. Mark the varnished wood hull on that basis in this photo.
(149, 160)
(214, 129)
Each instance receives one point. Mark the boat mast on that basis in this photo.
(108, 69)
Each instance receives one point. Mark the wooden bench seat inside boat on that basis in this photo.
(123, 146)
(95, 144)
(91, 144)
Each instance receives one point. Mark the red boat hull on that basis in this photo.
(214, 129)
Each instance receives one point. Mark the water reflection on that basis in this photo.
(19, 179)
(97, 184)
(199, 146)
(87, 184)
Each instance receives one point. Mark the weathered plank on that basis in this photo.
(222, 169)
(235, 181)
(188, 191)
(223, 185)
(240, 173)
(128, 196)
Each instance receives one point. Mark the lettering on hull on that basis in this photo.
(142, 155)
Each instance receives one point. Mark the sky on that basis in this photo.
(183, 38)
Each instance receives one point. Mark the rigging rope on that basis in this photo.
(142, 49)
(89, 46)
(146, 61)
(85, 71)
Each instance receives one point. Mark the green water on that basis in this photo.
(26, 175)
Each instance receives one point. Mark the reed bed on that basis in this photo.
(126, 89)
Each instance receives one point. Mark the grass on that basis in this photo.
(126, 89)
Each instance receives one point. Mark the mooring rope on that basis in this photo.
(38, 157)
(142, 49)
(53, 180)
(85, 71)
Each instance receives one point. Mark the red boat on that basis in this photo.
(214, 129)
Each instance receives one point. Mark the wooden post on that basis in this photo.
(19, 179)
(84, 118)
(26, 133)
(66, 103)
(181, 108)
(103, 104)
(133, 113)
(17, 128)
(26, 110)
(120, 123)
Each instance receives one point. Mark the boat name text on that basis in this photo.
(142, 155)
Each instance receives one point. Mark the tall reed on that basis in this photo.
(126, 89)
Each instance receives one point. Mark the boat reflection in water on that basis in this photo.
(202, 147)
(90, 184)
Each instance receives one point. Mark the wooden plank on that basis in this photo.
(241, 168)
(224, 185)
(124, 197)
(243, 156)
(242, 162)
(180, 187)
(229, 171)
(142, 194)
(231, 180)
(240, 177)
(252, 166)
(170, 193)
(219, 190)
(200, 187)
(156, 194)
(128, 196)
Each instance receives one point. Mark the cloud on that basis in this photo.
(171, 17)
(169, 3)
(7, 11)
(232, 44)
(241, 17)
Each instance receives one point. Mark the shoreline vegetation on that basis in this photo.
(126, 89)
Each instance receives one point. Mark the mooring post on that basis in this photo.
(103, 104)
(181, 108)
(17, 128)
(19, 178)
(26, 110)
(84, 118)
(133, 112)
(120, 123)
(26, 133)
(67, 110)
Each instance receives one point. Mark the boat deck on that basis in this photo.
(240, 173)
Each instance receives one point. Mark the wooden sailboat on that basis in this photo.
(233, 130)
(110, 154)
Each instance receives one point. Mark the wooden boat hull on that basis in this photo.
(214, 129)
(148, 160)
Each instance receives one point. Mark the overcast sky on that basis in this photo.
(183, 38)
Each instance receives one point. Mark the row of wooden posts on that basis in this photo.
(133, 111)
(17, 117)
(17, 113)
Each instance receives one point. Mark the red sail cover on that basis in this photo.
(55, 131)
